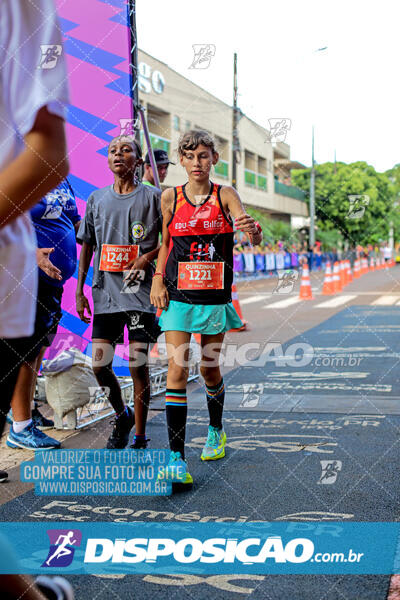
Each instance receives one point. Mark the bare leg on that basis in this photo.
(102, 358)
(23, 392)
(210, 352)
(21, 403)
(178, 354)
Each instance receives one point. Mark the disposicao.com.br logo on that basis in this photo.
(190, 550)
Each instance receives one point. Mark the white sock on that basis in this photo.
(18, 426)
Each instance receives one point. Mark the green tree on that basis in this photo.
(352, 199)
(394, 187)
(273, 230)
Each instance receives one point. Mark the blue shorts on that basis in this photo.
(199, 318)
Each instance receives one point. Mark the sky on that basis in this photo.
(349, 92)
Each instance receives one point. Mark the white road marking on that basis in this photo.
(385, 301)
(283, 303)
(335, 302)
(253, 299)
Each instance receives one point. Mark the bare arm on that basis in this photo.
(232, 204)
(40, 167)
(76, 227)
(19, 586)
(84, 263)
(140, 264)
(159, 294)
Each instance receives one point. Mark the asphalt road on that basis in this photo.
(312, 422)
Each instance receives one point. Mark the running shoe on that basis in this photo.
(3, 476)
(176, 470)
(55, 588)
(214, 447)
(119, 438)
(139, 444)
(40, 421)
(31, 438)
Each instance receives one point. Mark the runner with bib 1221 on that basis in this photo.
(192, 283)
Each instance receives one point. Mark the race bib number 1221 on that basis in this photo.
(200, 276)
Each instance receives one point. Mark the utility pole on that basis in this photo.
(235, 121)
(137, 109)
(133, 66)
(312, 196)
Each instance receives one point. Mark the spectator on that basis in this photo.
(162, 162)
(56, 221)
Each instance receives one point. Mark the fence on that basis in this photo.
(250, 264)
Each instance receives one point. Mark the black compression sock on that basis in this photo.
(215, 403)
(176, 412)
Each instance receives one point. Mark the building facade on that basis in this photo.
(174, 105)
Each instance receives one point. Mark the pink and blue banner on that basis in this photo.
(96, 44)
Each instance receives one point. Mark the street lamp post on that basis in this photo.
(312, 195)
(312, 181)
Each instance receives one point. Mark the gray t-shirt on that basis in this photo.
(121, 219)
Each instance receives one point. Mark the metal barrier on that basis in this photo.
(99, 407)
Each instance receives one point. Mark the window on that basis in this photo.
(177, 123)
(250, 166)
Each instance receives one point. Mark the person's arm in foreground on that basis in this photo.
(38, 169)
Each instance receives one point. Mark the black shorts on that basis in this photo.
(142, 327)
(48, 316)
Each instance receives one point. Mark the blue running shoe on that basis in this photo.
(214, 448)
(176, 470)
(40, 421)
(31, 438)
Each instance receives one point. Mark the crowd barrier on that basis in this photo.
(254, 265)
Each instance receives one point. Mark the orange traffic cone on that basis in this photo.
(356, 270)
(372, 264)
(327, 288)
(305, 285)
(337, 287)
(342, 274)
(235, 302)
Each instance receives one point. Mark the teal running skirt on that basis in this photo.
(199, 318)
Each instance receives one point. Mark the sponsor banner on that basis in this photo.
(210, 548)
(98, 473)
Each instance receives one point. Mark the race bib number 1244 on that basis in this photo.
(116, 258)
